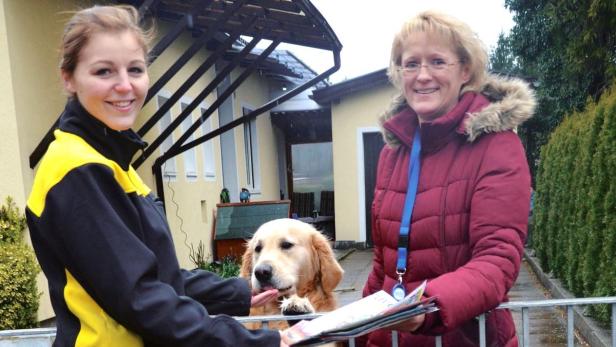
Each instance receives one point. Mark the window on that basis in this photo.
(169, 169)
(209, 166)
(190, 157)
(313, 169)
(251, 147)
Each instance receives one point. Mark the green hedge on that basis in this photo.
(574, 232)
(19, 297)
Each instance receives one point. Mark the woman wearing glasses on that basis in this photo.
(452, 192)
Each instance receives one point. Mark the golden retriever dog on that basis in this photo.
(295, 258)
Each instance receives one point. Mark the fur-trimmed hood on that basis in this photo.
(512, 102)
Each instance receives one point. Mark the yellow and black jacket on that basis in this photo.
(104, 244)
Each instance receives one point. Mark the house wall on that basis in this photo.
(190, 204)
(253, 93)
(33, 31)
(31, 99)
(350, 116)
(10, 170)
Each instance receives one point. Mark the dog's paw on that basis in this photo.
(294, 305)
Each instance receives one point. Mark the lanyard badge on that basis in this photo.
(398, 291)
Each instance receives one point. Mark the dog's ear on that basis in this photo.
(246, 268)
(331, 272)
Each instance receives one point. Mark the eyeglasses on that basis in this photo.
(412, 68)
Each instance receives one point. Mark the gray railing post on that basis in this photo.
(482, 330)
(570, 329)
(614, 325)
(525, 328)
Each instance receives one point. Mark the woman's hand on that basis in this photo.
(264, 298)
(409, 325)
(284, 340)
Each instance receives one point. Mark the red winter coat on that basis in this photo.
(470, 216)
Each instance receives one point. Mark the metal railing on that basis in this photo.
(43, 337)
(524, 306)
(569, 304)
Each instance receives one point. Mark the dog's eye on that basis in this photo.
(286, 245)
(258, 248)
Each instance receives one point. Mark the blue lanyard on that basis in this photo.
(409, 203)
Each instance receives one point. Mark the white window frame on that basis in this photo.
(190, 156)
(251, 153)
(209, 162)
(169, 166)
(361, 179)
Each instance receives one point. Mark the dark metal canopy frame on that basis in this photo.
(216, 25)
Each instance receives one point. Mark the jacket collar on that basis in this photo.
(119, 146)
(437, 133)
(503, 104)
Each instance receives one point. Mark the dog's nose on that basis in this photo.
(263, 273)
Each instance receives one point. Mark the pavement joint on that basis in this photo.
(343, 253)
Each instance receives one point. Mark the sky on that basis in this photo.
(366, 28)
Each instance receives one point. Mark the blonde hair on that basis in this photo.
(87, 22)
(465, 43)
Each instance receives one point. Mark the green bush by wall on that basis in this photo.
(574, 234)
(226, 268)
(19, 298)
(12, 223)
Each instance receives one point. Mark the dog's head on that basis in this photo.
(290, 255)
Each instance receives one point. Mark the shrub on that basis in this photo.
(18, 269)
(18, 293)
(574, 233)
(228, 267)
(12, 223)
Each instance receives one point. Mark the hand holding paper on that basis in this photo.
(375, 311)
(410, 324)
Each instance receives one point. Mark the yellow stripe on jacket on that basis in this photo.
(97, 328)
(68, 152)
